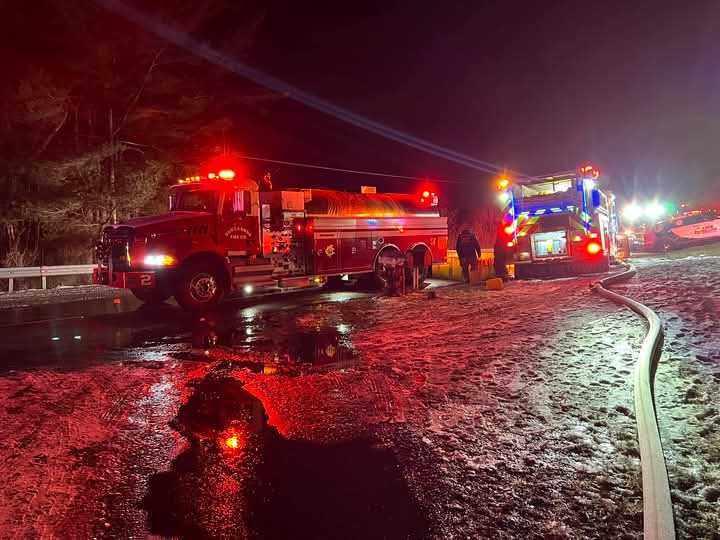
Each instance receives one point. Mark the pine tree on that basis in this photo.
(104, 119)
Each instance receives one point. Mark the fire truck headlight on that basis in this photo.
(159, 260)
(248, 289)
(593, 248)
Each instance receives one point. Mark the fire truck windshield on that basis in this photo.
(194, 201)
(547, 188)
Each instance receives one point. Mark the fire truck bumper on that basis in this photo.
(124, 280)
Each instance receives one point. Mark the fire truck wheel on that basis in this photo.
(381, 278)
(201, 286)
(151, 296)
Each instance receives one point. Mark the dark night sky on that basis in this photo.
(535, 86)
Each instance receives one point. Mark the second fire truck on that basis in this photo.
(559, 225)
(222, 234)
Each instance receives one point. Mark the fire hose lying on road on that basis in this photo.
(658, 520)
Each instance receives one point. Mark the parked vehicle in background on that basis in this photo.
(222, 234)
(559, 225)
(685, 229)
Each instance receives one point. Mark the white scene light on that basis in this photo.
(632, 212)
(654, 210)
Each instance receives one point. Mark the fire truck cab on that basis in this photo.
(222, 234)
(559, 225)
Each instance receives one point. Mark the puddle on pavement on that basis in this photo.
(238, 477)
(73, 340)
(274, 345)
(79, 341)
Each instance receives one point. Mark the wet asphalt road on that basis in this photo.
(230, 474)
(344, 415)
(78, 334)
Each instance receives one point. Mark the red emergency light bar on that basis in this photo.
(223, 174)
(590, 170)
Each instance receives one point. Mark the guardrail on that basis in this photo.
(43, 272)
(658, 517)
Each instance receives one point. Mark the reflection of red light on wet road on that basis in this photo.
(233, 439)
(232, 442)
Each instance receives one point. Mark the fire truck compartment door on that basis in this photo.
(326, 253)
(549, 244)
(355, 251)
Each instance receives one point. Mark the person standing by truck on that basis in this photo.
(468, 249)
(500, 256)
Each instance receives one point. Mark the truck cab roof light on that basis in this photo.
(503, 183)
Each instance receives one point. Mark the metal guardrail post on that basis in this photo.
(658, 518)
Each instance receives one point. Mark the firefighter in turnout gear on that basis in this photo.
(468, 250)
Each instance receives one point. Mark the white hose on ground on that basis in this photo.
(658, 518)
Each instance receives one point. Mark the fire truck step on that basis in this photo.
(253, 270)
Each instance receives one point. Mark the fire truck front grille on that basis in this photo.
(114, 246)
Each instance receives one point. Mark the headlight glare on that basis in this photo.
(159, 260)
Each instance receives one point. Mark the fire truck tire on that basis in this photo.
(151, 296)
(379, 278)
(200, 286)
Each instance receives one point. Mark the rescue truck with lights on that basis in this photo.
(559, 225)
(223, 234)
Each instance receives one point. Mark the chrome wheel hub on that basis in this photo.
(203, 287)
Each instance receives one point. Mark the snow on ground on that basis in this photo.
(684, 289)
(510, 413)
(77, 447)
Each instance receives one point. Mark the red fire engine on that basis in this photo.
(222, 234)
